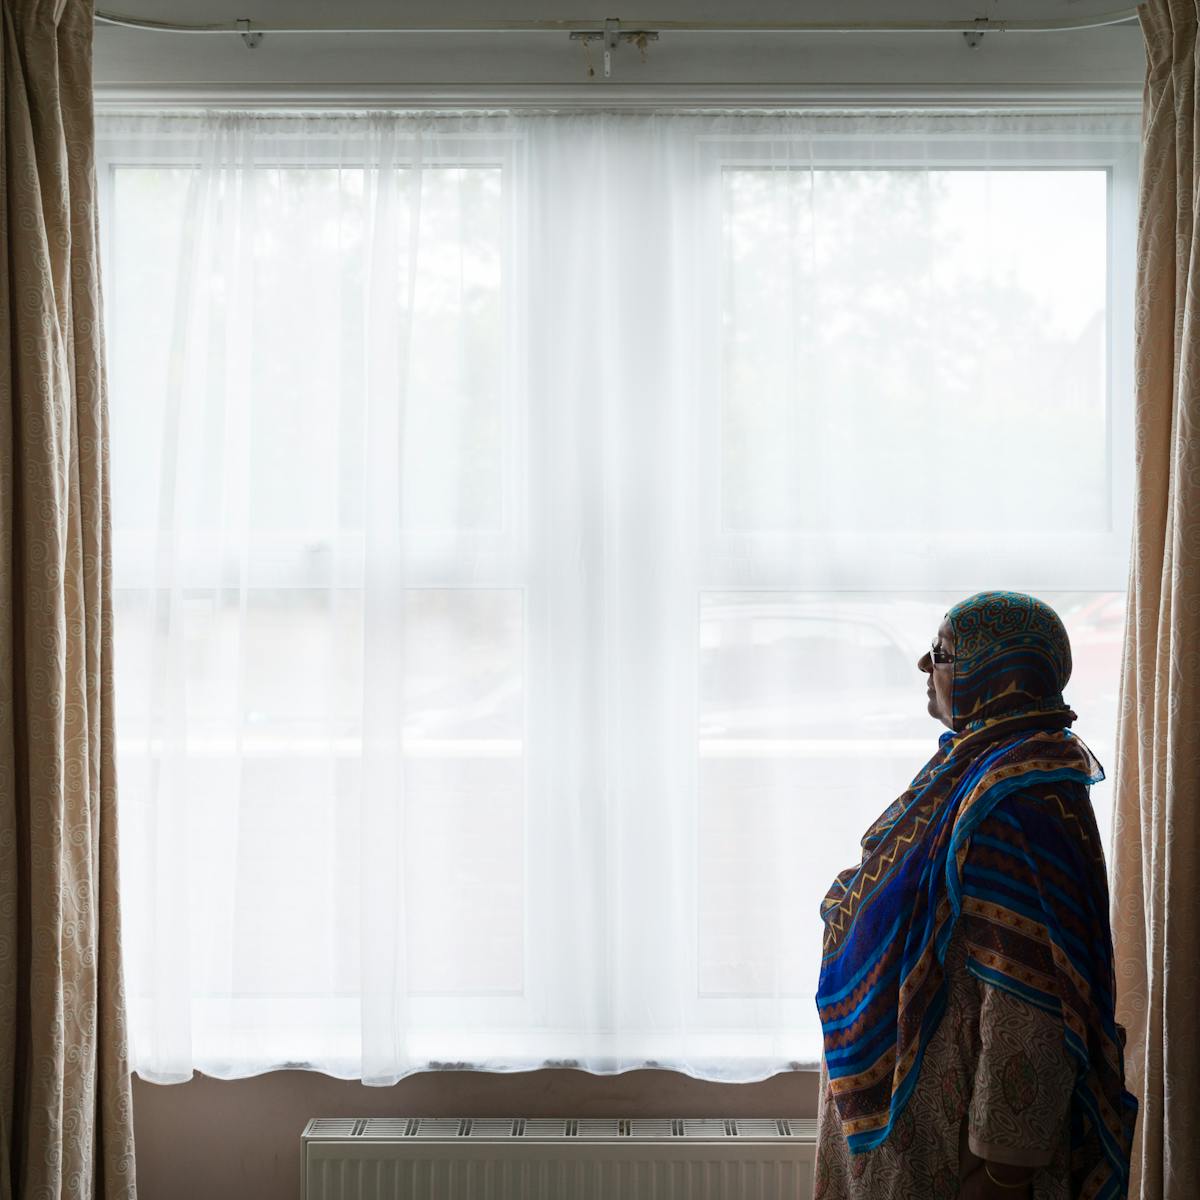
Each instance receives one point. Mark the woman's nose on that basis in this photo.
(923, 664)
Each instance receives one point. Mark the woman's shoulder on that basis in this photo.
(1050, 813)
(1040, 755)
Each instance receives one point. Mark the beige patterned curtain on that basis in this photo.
(1156, 841)
(65, 1120)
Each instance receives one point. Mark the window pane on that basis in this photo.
(243, 306)
(265, 772)
(894, 337)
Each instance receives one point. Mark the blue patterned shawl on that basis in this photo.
(1031, 894)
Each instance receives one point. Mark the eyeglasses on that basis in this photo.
(939, 656)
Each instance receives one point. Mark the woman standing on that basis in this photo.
(966, 991)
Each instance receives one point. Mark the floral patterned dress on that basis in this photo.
(996, 1083)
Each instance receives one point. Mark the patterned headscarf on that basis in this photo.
(1032, 894)
(1011, 655)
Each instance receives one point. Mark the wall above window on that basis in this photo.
(1101, 64)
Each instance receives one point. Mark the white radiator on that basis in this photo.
(443, 1158)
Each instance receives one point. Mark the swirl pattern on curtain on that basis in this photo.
(1156, 832)
(66, 1124)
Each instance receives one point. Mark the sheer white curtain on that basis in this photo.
(526, 528)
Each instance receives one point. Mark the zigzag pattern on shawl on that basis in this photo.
(889, 920)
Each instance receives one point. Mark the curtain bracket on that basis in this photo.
(974, 36)
(252, 38)
(611, 36)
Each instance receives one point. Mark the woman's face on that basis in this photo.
(941, 675)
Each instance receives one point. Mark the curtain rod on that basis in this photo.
(979, 25)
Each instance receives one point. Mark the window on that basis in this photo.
(525, 529)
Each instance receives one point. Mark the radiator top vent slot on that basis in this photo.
(494, 1128)
(438, 1127)
(331, 1127)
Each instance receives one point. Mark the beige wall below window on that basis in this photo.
(240, 1139)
